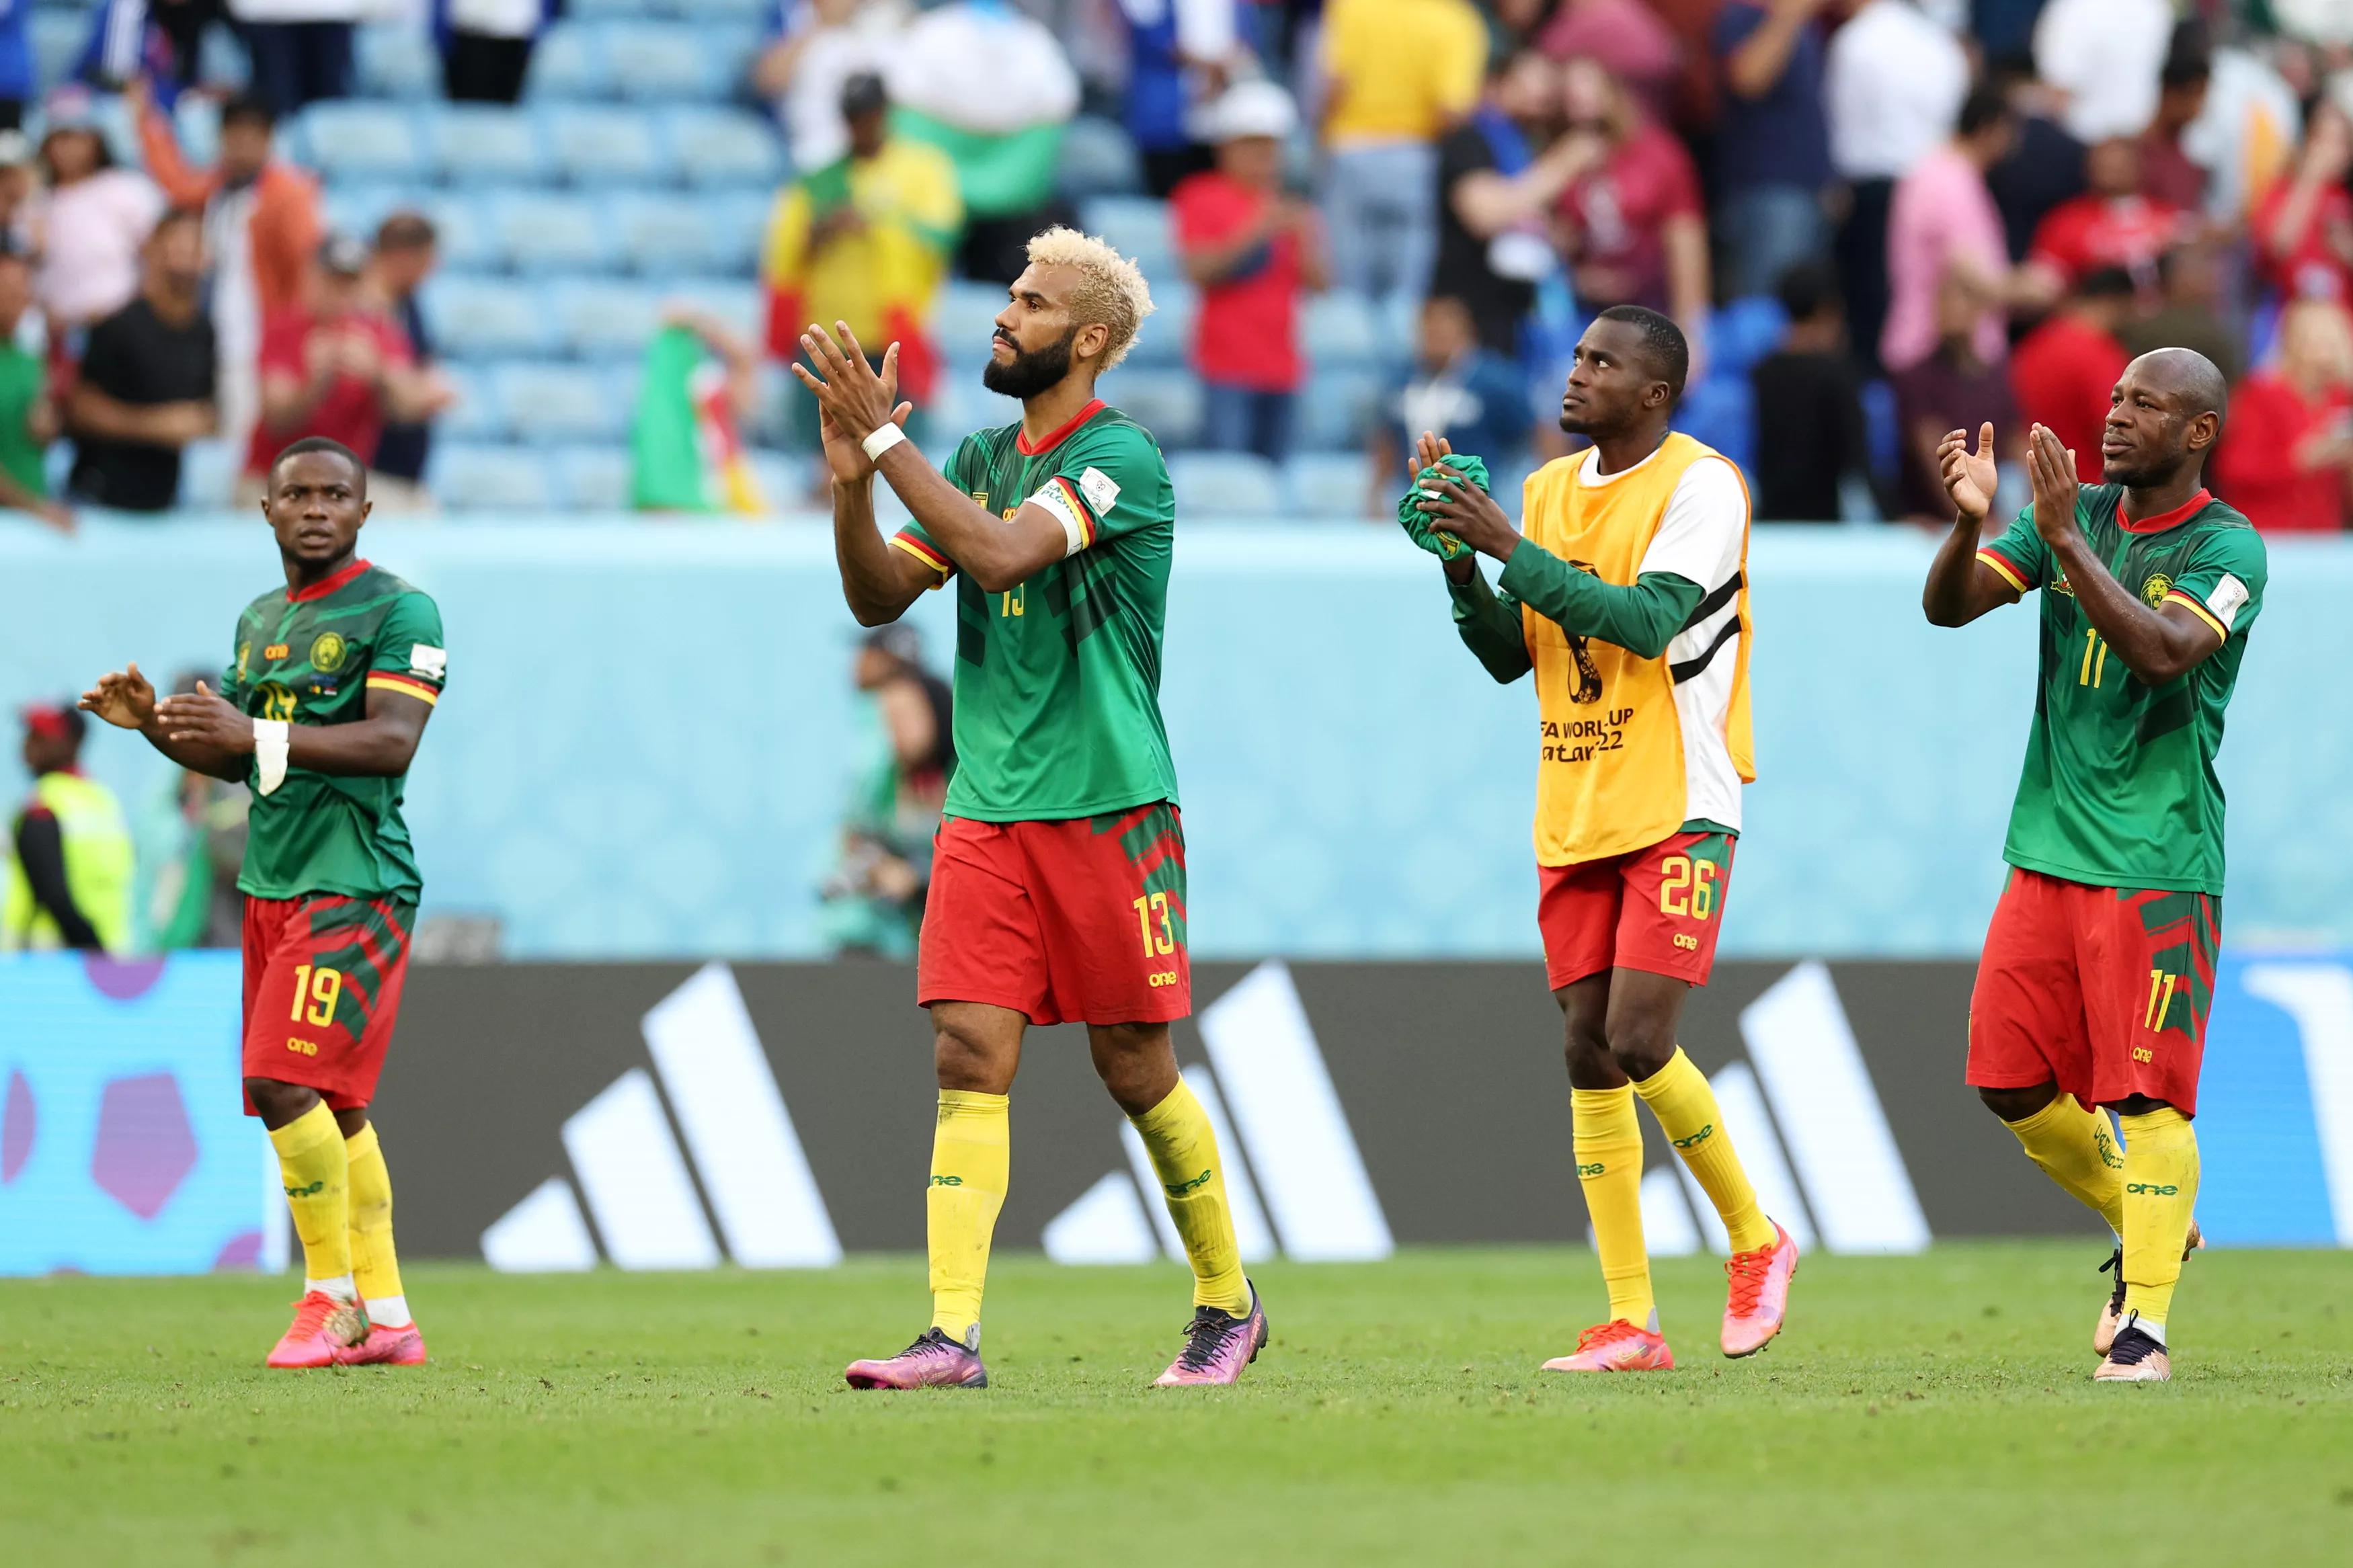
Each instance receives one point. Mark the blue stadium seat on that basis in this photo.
(548, 403)
(569, 63)
(542, 232)
(736, 302)
(484, 318)
(196, 122)
(468, 477)
(606, 144)
(1236, 483)
(1098, 159)
(965, 323)
(1167, 339)
(1341, 331)
(476, 415)
(610, 9)
(1722, 412)
(739, 221)
(1743, 332)
(357, 207)
(467, 241)
(1166, 402)
(360, 140)
(725, 147)
(483, 143)
(1327, 486)
(1337, 408)
(395, 60)
(56, 37)
(592, 479)
(753, 11)
(1137, 227)
(599, 318)
(221, 59)
(660, 233)
(207, 474)
(661, 62)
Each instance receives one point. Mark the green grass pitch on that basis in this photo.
(1919, 1411)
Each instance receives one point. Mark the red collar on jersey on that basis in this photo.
(1056, 437)
(321, 589)
(2173, 519)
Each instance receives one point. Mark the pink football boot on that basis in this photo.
(933, 1361)
(403, 1346)
(324, 1326)
(1616, 1346)
(1760, 1294)
(1217, 1346)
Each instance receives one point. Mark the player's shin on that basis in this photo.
(1679, 1096)
(1608, 1141)
(971, 1160)
(316, 1176)
(1184, 1149)
(2160, 1182)
(2075, 1149)
(375, 1267)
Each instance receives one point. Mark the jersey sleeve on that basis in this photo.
(1700, 537)
(914, 541)
(2020, 557)
(410, 658)
(232, 680)
(1108, 484)
(2223, 584)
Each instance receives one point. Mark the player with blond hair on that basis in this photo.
(1058, 888)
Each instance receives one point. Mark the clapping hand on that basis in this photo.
(1969, 477)
(123, 698)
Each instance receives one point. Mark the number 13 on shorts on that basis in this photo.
(1152, 919)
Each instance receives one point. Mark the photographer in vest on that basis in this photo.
(68, 877)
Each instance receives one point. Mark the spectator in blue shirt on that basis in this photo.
(1773, 145)
(1458, 390)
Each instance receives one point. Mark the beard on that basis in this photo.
(1030, 372)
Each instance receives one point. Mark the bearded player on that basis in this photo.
(1058, 885)
(1627, 596)
(2099, 965)
(332, 678)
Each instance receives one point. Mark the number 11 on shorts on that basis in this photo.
(1151, 916)
(2161, 987)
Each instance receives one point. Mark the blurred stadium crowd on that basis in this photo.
(540, 255)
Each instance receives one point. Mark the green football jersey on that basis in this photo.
(311, 657)
(2119, 788)
(1058, 681)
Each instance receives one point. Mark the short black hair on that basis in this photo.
(1986, 106)
(2106, 283)
(2188, 53)
(405, 230)
(1667, 354)
(172, 217)
(1807, 289)
(310, 444)
(248, 109)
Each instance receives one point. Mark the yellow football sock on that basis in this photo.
(2160, 1191)
(2075, 1149)
(971, 1159)
(1184, 1149)
(1679, 1097)
(1608, 1141)
(316, 1174)
(375, 1267)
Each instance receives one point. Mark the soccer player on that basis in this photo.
(2099, 965)
(1628, 598)
(332, 679)
(1058, 884)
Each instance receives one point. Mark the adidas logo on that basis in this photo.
(633, 1174)
(1293, 1171)
(1809, 1130)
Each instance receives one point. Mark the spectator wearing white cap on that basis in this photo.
(1252, 249)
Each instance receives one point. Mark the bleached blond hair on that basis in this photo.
(1112, 292)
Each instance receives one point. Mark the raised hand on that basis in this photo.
(843, 454)
(2052, 466)
(1969, 477)
(1431, 450)
(206, 719)
(122, 698)
(1470, 514)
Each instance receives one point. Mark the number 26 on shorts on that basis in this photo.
(1687, 887)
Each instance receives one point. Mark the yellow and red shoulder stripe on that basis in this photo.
(923, 552)
(2178, 598)
(407, 685)
(2002, 564)
(1080, 510)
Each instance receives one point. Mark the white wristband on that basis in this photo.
(269, 747)
(881, 440)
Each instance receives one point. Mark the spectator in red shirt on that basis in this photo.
(2111, 225)
(335, 366)
(2065, 370)
(2288, 450)
(1634, 229)
(1253, 251)
(2303, 228)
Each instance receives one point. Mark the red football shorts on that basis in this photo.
(1076, 921)
(1656, 909)
(322, 979)
(2104, 991)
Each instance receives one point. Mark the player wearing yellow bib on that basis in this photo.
(1627, 596)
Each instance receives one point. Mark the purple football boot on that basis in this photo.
(1217, 1346)
(933, 1361)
